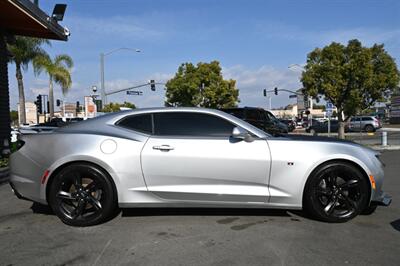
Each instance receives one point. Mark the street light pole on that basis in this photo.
(102, 85)
(102, 88)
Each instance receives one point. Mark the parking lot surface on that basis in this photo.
(32, 235)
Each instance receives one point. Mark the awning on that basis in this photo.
(22, 17)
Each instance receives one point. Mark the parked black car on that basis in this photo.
(290, 124)
(260, 118)
(322, 127)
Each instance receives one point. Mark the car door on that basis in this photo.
(192, 157)
(355, 123)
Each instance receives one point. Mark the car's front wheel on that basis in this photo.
(336, 192)
(82, 194)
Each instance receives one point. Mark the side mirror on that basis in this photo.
(241, 133)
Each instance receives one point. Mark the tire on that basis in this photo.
(313, 132)
(82, 194)
(370, 209)
(336, 192)
(369, 128)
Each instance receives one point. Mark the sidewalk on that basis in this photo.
(4, 175)
(384, 148)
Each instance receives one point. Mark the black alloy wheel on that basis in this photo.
(336, 192)
(82, 195)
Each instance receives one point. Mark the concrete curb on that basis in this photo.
(4, 175)
(385, 148)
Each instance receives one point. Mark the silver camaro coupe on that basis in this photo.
(191, 157)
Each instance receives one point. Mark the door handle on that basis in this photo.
(163, 148)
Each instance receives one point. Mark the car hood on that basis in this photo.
(315, 139)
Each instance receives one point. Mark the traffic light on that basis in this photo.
(265, 92)
(58, 102)
(152, 85)
(77, 106)
(39, 104)
(276, 91)
(306, 102)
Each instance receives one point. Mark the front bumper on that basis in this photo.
(384, 199)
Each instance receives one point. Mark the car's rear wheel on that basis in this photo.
(82, 195)
(336, 192)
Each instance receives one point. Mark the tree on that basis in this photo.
(23, 51)
(59, 71)
(115, 107)
(201, 85)
(14, 117)
(352, 77)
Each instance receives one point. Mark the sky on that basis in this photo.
(254, 41)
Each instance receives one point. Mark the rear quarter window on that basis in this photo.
(141, 123)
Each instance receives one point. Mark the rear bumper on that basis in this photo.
(16, 193)
(384, 199)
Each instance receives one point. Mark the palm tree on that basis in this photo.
(23, 51)
(59, 71)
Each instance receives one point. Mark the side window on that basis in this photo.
(141, 123)
(239, 113)
(253, 115)
(269, 116)
(191, 124)
(367, 119)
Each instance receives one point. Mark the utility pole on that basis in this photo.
(102, 89)
(265, 92)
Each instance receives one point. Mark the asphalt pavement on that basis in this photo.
(31, 235)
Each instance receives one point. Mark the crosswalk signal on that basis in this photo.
(152, 85)
(276, 91)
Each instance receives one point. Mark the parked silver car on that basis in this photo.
(364, 123)
(191, 157)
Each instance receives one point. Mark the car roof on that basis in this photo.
(243, 108)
